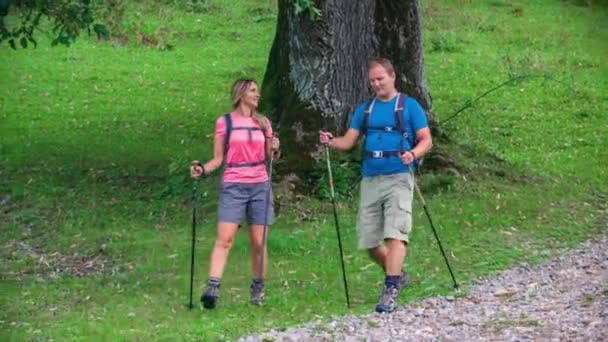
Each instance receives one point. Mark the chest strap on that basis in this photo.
(381, 154)
(256, 163)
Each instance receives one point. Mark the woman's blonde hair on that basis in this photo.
(239, 87)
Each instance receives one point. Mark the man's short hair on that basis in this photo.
(383, 62)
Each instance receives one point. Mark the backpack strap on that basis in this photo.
(410, 138)
(228, 120)
(366, 113)
(399, 111)
(365, 124)
(263, 128)
(229, 129)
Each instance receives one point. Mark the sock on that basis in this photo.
(391, 281)
(258, 281)
(213, 282)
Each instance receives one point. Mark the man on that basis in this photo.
(391, 122)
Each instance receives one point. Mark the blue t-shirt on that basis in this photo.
(382, 115)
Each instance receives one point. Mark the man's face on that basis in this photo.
(382, 82)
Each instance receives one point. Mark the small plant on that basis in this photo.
(346, 171)
(195, 6)
(587, 300)
(444, 44)
(260, 14)
(177, 178)
(308, 6)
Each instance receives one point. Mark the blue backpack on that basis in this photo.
(397, 128)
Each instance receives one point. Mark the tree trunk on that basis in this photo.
(399, 29)
(317, 70)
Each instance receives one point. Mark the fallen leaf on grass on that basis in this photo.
(371, 264)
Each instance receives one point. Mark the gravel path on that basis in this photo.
(563, 300)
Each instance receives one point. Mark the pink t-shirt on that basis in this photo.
(245, 146)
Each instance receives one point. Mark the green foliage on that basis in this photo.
(68, 19)
(113, 14)
(177, 179)
(307, 6)
(346, 172)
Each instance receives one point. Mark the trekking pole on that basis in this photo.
(194, 221)
(265, 233)
(428, 215)
(333, 201)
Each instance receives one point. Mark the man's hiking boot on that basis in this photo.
(388, 299)
(257, 294)
(404, 280)
(210, 297)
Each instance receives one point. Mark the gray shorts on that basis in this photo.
(385, 210)
(238, 199)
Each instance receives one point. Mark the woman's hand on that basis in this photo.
(197, 170)
(276, 144)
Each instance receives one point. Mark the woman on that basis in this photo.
(245, 186)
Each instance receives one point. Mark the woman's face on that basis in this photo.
(251, 96)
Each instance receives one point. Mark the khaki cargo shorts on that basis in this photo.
(385, 209)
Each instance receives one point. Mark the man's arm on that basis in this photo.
(425, 142)
(423, 132)
(343, 143)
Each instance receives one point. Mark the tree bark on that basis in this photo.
(398, 27)
(317, 70)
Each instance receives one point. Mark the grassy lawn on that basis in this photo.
(96, 140)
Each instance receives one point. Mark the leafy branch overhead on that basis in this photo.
(67, 19)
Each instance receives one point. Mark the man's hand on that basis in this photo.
(325, 137)
(407, 157)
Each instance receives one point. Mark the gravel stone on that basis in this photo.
(565, 299)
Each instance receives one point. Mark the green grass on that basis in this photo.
(96, 140)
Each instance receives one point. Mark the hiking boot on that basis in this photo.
(404, 280)
(257, 294)
(388, 299)
(210, 297)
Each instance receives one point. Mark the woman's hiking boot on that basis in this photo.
(209, 298)
(257, 293)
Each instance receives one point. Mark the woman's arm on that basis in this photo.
(197, 169)
(218, 155)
